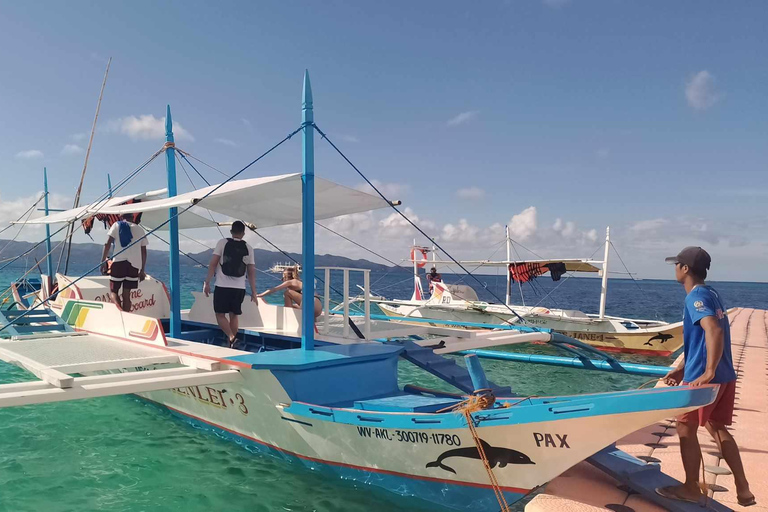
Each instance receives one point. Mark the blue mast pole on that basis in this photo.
(307, 219)
(48, 261)
(170, 165)
(109, 185)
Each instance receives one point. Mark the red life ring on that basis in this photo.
(423, 261)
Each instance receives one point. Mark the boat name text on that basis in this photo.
(409, 436)
(213, 397)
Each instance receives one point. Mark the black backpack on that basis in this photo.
(232, 260)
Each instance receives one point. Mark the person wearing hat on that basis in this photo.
(707, 360)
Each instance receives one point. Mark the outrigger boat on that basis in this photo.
(330, 400)
(459, 304)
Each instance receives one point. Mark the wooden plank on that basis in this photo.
(143, 383)
(203, 364)
(128, 376)
(117, 364)
(495, 341)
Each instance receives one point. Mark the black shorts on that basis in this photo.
(228, 300)
(122, 273)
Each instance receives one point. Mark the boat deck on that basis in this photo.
(585, 488)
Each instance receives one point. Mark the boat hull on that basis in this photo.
(658, 341)
(430, 457)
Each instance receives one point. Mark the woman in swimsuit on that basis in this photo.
(292, 287)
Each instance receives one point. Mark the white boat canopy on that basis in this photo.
(571, 265)
(265, 202)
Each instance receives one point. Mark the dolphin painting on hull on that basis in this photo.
(660, 337)
(496, 456)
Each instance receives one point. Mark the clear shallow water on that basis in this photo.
(123, 454)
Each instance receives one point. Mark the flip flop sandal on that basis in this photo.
(671, 494)
(233, 342)
(746, 502)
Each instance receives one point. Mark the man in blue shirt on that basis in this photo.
(707, 360)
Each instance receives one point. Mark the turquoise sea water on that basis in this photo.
(123, 454)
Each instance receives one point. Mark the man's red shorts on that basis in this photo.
(720, 411)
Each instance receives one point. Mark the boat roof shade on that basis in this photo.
(267, 201)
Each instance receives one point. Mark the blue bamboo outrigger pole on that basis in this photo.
(170, 165)
(307, 219)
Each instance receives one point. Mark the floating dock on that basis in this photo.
(586, 488)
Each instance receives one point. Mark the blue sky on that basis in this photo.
(559, 117)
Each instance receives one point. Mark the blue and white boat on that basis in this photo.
(329, 400)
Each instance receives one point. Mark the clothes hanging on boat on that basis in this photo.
(556, 270)
(524, 272)
(109, 219)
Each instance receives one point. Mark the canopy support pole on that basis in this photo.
(604, 286)
(308, 219)
(170, 166)
(508, 297)
(48, 260)
(109, 186)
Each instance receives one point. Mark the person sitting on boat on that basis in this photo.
(231, 260)
(433, 277)
(292, 287)
(707, 360)
(128, 264)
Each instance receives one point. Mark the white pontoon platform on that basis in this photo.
(55, 360)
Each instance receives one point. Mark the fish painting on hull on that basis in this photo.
(659, 337)
(496, 456)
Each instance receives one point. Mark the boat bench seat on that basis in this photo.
(406, 403)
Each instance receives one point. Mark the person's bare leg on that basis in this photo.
(293, 298)
(287, 299)
(116, 299)
(221, 319)
(730, 452)
(691, 454)
(234, 326)
(126, 300)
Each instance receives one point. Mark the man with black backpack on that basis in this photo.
(232, 259)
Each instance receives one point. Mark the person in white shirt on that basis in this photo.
(232, 259)
(127, 267)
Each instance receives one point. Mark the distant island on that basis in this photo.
(91, 252)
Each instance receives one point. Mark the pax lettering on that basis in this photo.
(548, 440)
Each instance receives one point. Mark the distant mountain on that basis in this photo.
(82, 254)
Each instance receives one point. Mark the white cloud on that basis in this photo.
(472, 193)
(591, 235)
(78, 137)
(394, 225)
(13, 209)
(699, 91)
(72, 149)
(649, 225)
(247, 123)
(391, 191)
(603, 153)
(463, 232)
(227, 142)
(462, 118)
(30, 154)
(523, 225)
(147, 127)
